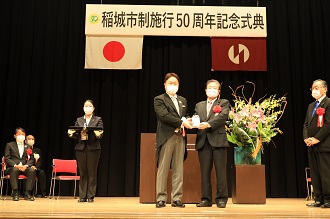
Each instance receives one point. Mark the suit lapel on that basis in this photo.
(170, 102)
(216, 102)
(204, 110)
(180, 105)
(16, 149)
(92, 121)
(312, 107)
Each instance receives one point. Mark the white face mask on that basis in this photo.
(20, 138)
(316, 94)
(172, 89)
(88, 110)
(30, 142)
(211, 92)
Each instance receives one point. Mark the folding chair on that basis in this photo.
(309, 185)
(61, 167)
(7, 176)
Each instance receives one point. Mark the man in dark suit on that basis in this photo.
(316, 133)
(212, 144)
(41, 175)
(19, 160)
(171, 111)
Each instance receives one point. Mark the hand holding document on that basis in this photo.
(71, 131)
(195, 121)
(98, 132)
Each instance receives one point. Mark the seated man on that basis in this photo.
(19, 160)
(37, 164)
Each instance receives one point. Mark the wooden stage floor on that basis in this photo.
(129, 207)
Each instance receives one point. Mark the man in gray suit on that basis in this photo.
(171, 111)
(212, 144)
(316, 133)
(19, 160)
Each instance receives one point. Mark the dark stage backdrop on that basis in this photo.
(44, 84)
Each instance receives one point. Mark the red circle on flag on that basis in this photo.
(114, 51)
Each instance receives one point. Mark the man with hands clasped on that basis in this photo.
(19, 160)
(212, 144)
(316, 134)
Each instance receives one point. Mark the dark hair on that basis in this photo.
(19, 129)
(168, 75)
(324, 83)
(91, 101)
(215, 81)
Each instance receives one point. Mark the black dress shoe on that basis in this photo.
(178, 204)
(15, 197)
(28, 196)
(204, 203)
(90, 200)
(160, 204)
(43, 195)
(325, 205)
(82, 200)
(315, 204)
(221, 204)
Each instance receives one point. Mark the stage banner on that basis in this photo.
(238, 54)
(113, 52)
(169, 20)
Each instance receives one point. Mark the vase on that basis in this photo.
(242, 156)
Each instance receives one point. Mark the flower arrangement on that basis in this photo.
(250, 125)
(217, 109)
(320, 120)
(28, 152)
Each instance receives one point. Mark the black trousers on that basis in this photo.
(319, 164)
(41, 175)
(88, 161)
(14, 173)
(208, 156)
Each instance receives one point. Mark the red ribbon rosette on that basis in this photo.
(217, 109)
(320, 120)
(28, 152)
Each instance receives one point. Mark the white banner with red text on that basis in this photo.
(170, 20)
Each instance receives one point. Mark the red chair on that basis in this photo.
(63, 170)
(309, 185)
(7, 176)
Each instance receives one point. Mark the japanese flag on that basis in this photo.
(113, 52)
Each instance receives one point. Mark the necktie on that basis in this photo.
(209, 105)
(175, 101)
(315, 107)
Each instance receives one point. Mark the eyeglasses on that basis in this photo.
(316, 88)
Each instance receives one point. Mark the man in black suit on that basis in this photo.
(316, 133)
(41, 175)
(171, 111)
(212, 144)
(19, 160)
